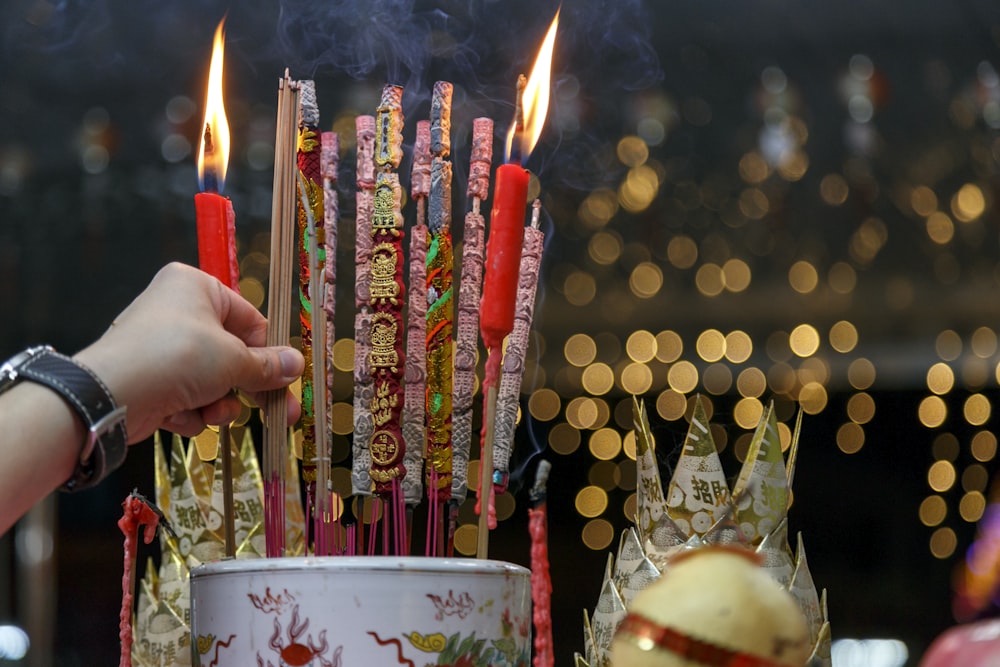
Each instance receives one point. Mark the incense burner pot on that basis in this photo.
(383, 610)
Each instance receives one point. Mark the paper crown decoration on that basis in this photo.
(189, 491)
(700, 509)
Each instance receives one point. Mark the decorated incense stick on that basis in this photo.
(318, 490)
(329, 161)
(440, 301)
(416, 322)
(541, 583)
(361, 481)
(387, 296)
(467, 320)
(517, 351)
(276, 450)
(309, 203)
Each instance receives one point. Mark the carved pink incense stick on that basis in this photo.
(363, 382)
(329, 160)
(516, 353)
(467, 319)
(416, 324)
(329, 163)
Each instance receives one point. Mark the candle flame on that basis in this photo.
(213, 155)
(535, 100)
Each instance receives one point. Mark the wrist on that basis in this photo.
(104, 445)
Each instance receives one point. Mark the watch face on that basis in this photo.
(8, 370)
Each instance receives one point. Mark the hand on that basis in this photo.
(174, 355)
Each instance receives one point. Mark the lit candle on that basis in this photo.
(503, 259)
(214, 213)
(217, 238)
(510, 199)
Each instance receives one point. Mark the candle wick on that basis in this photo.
(515, 146)
(210, 178)
(209, 143)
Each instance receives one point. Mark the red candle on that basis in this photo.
(214, 213)
(217, 237)
(503, 254)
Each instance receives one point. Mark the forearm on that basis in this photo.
(40, 441)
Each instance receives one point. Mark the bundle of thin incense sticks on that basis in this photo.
(279, 310)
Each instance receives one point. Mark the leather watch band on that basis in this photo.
(106, 445)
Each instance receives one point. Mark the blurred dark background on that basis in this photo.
(817, 178)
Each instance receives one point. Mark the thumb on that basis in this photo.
(268, 368)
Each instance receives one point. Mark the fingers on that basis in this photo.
(222, 411)
(187, 423)
(269, 368)
(241, 318)
(292, 405)
(294, 408)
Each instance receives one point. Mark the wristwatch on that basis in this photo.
(105, 445)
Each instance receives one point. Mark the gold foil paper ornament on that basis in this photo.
(776, 558)
(698, 493)
(804, 590)
(762, 486)
(608, 614)
(630, 555)
(651, 503)
(644, 574)
(589, 643)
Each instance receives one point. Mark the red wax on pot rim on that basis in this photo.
(217, 238)
(503, 254)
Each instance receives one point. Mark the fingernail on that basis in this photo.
(292, 362)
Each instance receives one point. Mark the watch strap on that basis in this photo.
(106, 443)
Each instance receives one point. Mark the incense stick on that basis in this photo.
(541, 582)
(517, 349)
(228, 511)
(388, 295)
(416, 323)
(321, 461)
(307, 201)
(279, 315)
(440, 301)
(361, 482)
(485, 506)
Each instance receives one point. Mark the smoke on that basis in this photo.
(603, 49)
(604, 52)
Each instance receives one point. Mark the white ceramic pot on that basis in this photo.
(360, 612)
